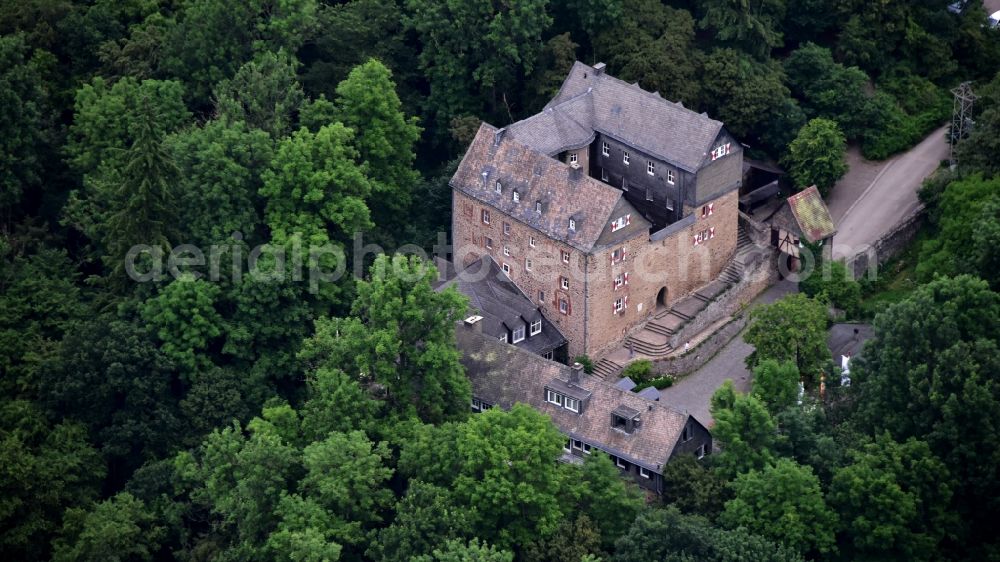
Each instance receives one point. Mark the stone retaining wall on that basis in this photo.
(890, 245)
(730, 303)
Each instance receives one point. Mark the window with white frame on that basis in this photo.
(477, 405)
(516, 196)
(536, 327)
(572, 404)
(486, 216)
(527, 264)
(572, 224)
(553, 397)
(720, 151)
(670, 177)
(621, 280)
(531, 241)
(548, 355)
(506, 228)
(506, 269)
(605, 148)
(704, 236)
(498, 187)
(518, 334)
(650, 167)
(564, 306)
(619, 304)
(700, 453)
(617, 255)
(564, 283)
(621, 463)
(565, 256)
(489, 243)
(625, 157)
(707, 210)
(604, 175)
(578, 445)
(621, 222)
(587, 448)
(573, 158)
(567, 445)
(506, 250)
(503, 338)
(643, 472)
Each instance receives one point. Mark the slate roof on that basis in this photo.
(590, 101)
(501, 303)
(503, 375)
(564, 192)
(812, 215)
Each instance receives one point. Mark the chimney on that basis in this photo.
(575, 172)
(599, 68)
(574, 373)
(474, 323)
(498, 136)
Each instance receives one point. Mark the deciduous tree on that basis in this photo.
(784, 503)
(816, 156)
(790, 329)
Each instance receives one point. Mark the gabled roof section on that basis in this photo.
(504, 375)
(812, 215)
(501, 303)
(564, 192)
(590, 100)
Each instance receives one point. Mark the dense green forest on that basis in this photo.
(256, 415)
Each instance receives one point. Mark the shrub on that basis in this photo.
(832, 280)
(639, 371)
(588, 365)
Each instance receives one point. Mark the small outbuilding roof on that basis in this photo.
(812, 215)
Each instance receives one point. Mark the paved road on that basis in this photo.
(888, 198)
(694, 392)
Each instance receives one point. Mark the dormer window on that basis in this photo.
(538, 207)
(625, 419)
(517, 196)
(650, 167)
(499, 187)
(518, 334)
(573, 158)
(625, 157)
(572, 225)
(572, 404)
(554, 397)
(536, 327)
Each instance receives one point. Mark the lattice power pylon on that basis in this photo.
(961, 116)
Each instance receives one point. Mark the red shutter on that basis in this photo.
(626, 301)
(711, 208)
(626, 278)
(628, 219)
(711, 232)
(695, 239)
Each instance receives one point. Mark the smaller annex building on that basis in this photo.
(640, 435)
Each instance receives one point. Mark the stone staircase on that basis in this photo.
(653, 340)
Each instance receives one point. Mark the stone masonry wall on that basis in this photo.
(592, 326)
(890, 245)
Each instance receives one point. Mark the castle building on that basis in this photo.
(608, 203)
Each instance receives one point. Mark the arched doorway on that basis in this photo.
(661, 297)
